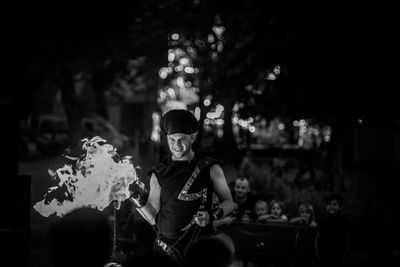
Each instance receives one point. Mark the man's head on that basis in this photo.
(180, 145)
(180, 126)
(242, 187)
(179, 121)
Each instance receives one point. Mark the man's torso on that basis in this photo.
(177, 212)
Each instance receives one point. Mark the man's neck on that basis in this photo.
(241, 200)
(187, 157)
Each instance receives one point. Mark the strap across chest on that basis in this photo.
(183, 194)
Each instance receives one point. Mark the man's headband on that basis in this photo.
(178, 121)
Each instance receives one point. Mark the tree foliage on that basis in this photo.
(322, 63)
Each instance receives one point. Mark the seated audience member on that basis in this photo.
(246, 216)
(82, 237)
(208, 251)
(305, 216)
(260, 210)
(243, 199)
(275, 213)
(332, 241)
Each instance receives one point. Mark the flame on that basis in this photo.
(95, 180)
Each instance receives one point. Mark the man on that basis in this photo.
(181, 188)
(244, 200)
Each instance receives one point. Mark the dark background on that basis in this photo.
(340, 60)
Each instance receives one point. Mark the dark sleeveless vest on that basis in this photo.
(186, 188)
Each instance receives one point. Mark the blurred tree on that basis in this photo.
(60, 41)
(322, 69)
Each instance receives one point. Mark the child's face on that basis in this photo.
(276, 209)
(306, 214)
(333, 207)
(261, 208)
(246, 216)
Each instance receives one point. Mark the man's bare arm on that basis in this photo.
(221, 189)
(152, 206)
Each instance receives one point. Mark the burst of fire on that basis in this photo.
(95, 180)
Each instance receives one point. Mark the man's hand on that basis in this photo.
(228, 220)
(202, 218)
(138, 193)
(235, 206)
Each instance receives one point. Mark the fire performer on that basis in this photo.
(181, 189)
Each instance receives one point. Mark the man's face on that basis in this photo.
(241, 188)
(333, 207)
(180, 144)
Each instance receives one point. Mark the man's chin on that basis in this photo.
(178, 155)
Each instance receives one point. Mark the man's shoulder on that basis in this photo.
(160, 167)
(207, 159)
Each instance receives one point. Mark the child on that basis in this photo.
(260, 210)
(305, 215)
(275, 213)
(246, 216)
(332, 241)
